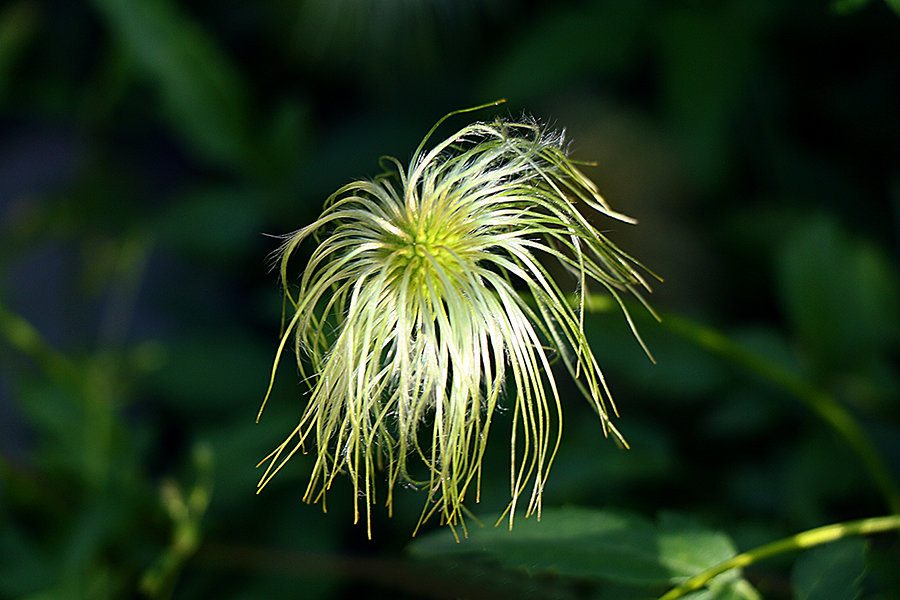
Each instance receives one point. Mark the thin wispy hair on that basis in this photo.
(429, 301)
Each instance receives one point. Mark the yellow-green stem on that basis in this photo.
(819, 401)
(800, 541)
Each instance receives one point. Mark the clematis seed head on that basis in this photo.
(429, 301)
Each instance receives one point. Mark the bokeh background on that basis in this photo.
(149, 149)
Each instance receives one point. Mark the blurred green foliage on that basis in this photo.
(147, 147)
(631, 555)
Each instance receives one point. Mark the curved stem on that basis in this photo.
(819, 401)
(800, 541)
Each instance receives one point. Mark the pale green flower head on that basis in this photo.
(431, 300)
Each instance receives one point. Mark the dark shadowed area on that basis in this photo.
(150, 150)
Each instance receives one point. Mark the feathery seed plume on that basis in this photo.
(429, 297)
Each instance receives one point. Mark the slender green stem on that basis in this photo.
(819, 401)
(800, 541)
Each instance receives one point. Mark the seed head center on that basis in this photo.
(426, 251)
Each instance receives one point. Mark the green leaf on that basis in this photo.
(602, 545)
(830, 572)
(731, 590)
(687, 547)
(202, 93)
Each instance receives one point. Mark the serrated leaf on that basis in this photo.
(601, 545)
(830, 572)
(687, 547)
(731, 590)
(576, 542)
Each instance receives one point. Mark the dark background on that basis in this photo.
(147, 149)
